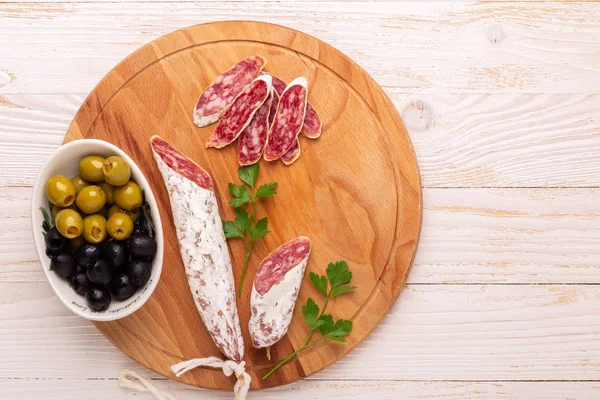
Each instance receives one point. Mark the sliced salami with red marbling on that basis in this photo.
(292, 154)
(289, 118)
(252, 141)
(220, 94)
(312, 126)
(312, 123)
(275, 291)
(239, 115)
(202, 246)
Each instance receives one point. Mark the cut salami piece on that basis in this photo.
(292, 154)
(275, 291)
(288, 119)
(253, 139)
(274, 105)
(202, 246)
(220, 94)
(239, 115)
(312, 125)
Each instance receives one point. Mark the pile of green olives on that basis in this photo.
(97, 236)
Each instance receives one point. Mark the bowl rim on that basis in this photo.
(157, 263)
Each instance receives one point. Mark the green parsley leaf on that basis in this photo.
(341, 290)
(325, 322)
(266, 190)
(242, 220)
(243, 197)
(230, 230)
(319, 281)
(338, 274)
(341, 328)
(249, 175)
(235, 190)
(337, 339)
(311, 312)
(259, 229)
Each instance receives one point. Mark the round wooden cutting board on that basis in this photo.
(356, 191)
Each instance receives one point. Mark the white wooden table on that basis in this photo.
(502, 101)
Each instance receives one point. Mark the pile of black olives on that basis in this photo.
(98, 238)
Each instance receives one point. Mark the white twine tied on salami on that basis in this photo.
(133, 380)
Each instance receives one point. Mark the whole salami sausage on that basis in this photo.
(202, 245)
(239, 115)
(292, 154)
(220, 94)
(288, 120)
(275, 291)
(312, 125)
(252, 141)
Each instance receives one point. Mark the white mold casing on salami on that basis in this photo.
(272, 311)
(206, 258)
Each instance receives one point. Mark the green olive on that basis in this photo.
(128, 196)
(109, 191)
(94, 228)
(69, 223)
(60, 191)
(90, 168)
(119, 226)
(116, 171)
(91, 199)
(79, 183)
(134, 215)
(57, 209)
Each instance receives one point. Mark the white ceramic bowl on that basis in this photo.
(65, 161)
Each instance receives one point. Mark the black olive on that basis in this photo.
(115, 252)
(86, 253)
(54, 240)
(99, 271)
(139, 272)
(122, 287)
(63, 265)
(142, 245)
(79, 282)
(52, 254)
(98, 298)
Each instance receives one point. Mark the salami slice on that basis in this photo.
(253, 139)
(220, 94)
(275, 291)
(288, 119)
(202, 246)
(239, 115)
(292, 154)
(312, 125)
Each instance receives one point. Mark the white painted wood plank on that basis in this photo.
(461, 140)
(468, 236)
(432, 333)
(68, 389)
(429, 47)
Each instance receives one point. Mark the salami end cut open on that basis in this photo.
(239, 115)
(289, 119)
(202, 246)
(220, 94)
(275, 291)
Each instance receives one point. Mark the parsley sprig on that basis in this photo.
(245, 226)
(331, 286)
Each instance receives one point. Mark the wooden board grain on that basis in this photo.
(356, 191)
